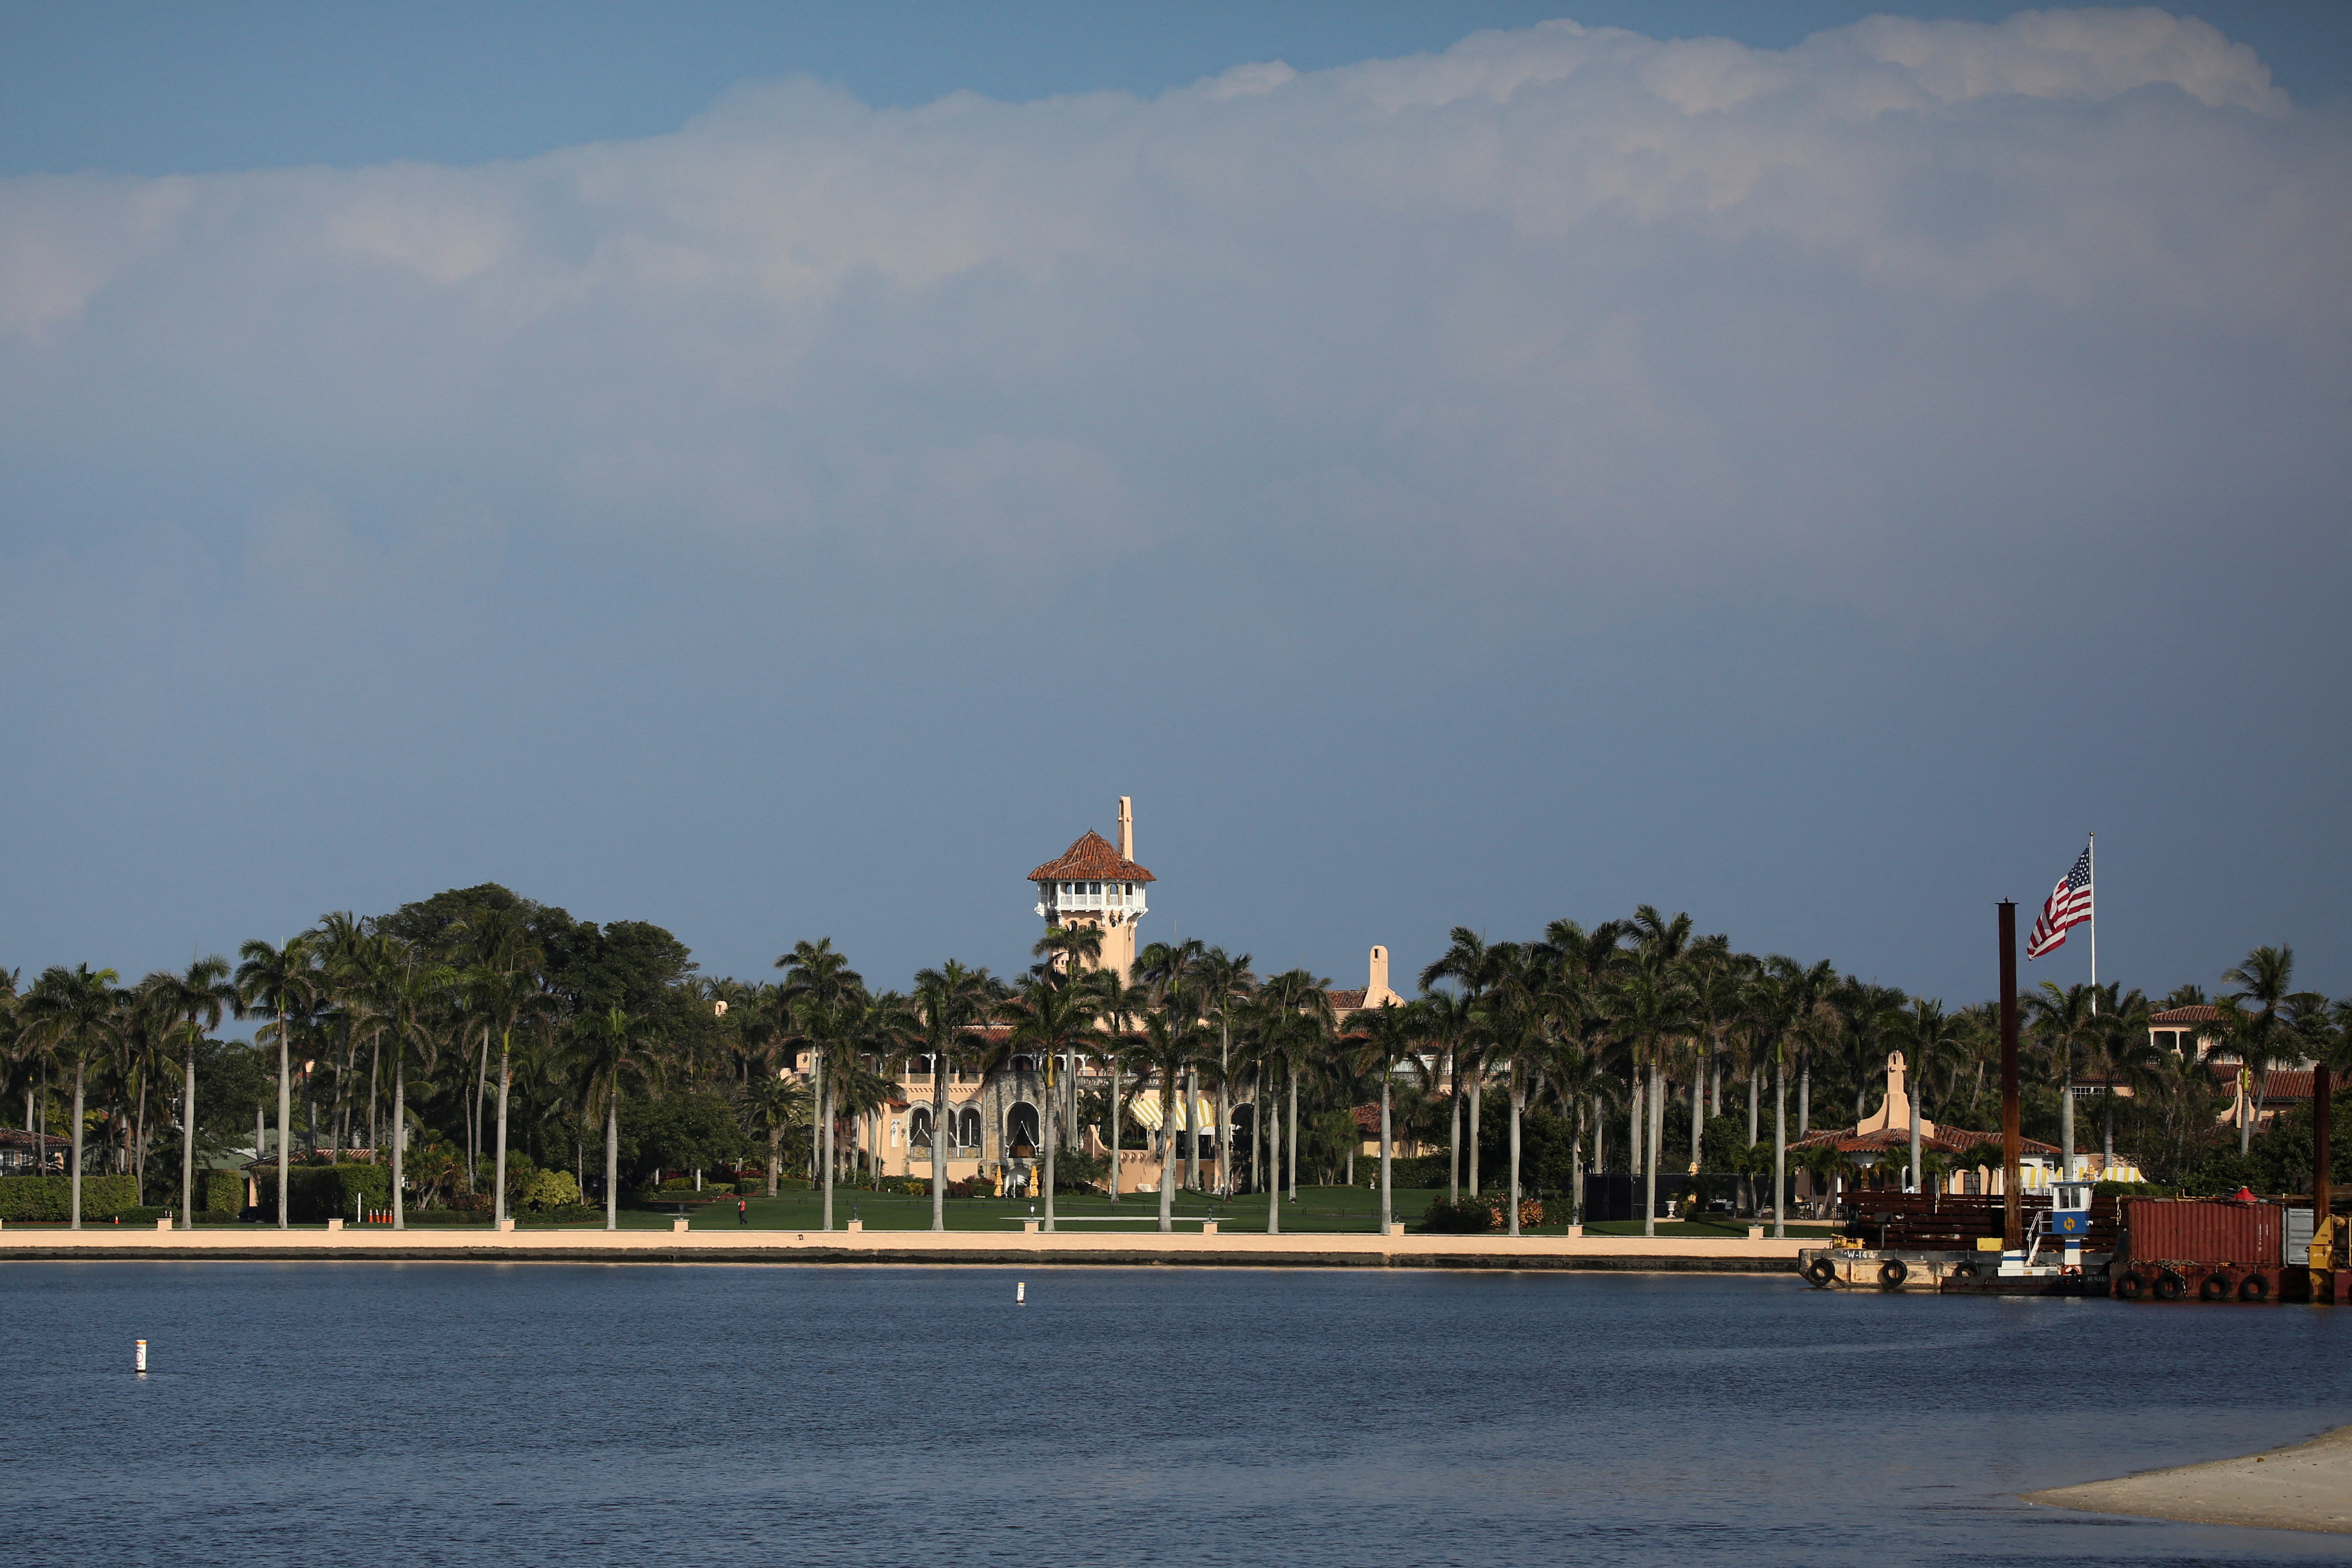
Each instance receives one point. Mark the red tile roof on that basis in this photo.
(1947, 1140)
(2280, 1083)
(2197, 1014)
(1091, 859)
(1346, 1001)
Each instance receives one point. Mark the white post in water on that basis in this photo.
(1020, 1299)
(141, 1357)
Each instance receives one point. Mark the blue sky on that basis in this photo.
(785, 472)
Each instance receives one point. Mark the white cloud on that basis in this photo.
(1565, 298)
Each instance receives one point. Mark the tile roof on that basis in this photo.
(2279, 1083)
(2199, 1014)
(1348, 1001)
(1947, 1140)
(1091, 859)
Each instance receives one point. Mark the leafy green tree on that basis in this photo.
(1049, 1014)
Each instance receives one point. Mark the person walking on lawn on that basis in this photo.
(742, 1210)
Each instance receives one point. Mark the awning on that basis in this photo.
(1144, 1110)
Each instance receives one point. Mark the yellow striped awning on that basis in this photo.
(1144, 1109)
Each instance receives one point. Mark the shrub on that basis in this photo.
(970, 1187)
(751, 1186)
(316, 1193)
(223, 1191)
(1471, 1217)
(550, 1190)
(1421, 1170)
(47, 1197)
(1074, 1172)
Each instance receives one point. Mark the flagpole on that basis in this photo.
(2091, 854)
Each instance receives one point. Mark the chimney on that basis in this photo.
(1125, 827)
(1377, 981)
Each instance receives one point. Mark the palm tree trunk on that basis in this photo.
(1805, 1091)
(375, 1070)
(1191, 1129)
(506, 1086)
(825, 1135)
(1519, 1101)
(188, 1138)
(1453, 1139)
(1634, 1112)
(612, 1154)
(1779, 1149)
(1698, 1118)
(2065, 1129)
(1116, 1096)
(399, 1139)
(1388, 1208)
(1918, 1185)
(775, 1155)
(1576, 1160)
(1273, 1189)
(1650, 1151)
(1052, 1106)
(1290, 1180)
(1752, 1076)
(2107, 1132)
(1476, 1084)
(1224, 1137)
(939, 1155)
(284, 1113)
(74, 1187)
(1167, 1152)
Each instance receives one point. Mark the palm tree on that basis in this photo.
(1169, 1044)
(818, 984)
(1466, 964)
(280, 984)
(1070, 952)
(1050, 1014)
(1306, 1024)
(1930, 1037)
(2252, 1019)
(777, 1104)
(72, 1015)
(1445, 1032)
(2122, 1036)
(195, 1000)
(2065, 1027)
(1383, 1036)
(1221, 983)
(1170, 973)
(618, 1044)
(949, 1000)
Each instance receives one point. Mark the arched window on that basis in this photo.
(968, 1129)
(1024, 1064)
(919, 1128)
(1020, 1129)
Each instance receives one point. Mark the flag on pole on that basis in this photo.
(2069, 905)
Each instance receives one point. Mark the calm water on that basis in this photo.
(465, 1414)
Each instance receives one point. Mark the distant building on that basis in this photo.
(2195, 1032)
(1879, 1147)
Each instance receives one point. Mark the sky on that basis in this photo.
(784, 472)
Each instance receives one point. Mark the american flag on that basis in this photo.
(2069, 905)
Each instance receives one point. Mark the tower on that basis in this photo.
(1096, 884)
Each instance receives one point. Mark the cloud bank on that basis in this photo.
(1568, 382)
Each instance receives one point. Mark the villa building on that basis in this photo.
(1879, 1148)
(2195, 1031)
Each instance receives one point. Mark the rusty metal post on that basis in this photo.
(2012, 1211)
(2321, 1198)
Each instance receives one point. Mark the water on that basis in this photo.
(472, 1415)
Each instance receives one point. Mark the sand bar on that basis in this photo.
(2307, 1485)
(725, 1245)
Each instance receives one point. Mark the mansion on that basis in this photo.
(990, 1120)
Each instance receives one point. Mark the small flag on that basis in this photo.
(2069, 905)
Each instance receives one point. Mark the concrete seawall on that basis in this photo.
(1631, 1254)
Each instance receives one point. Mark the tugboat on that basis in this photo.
(2063, 1232)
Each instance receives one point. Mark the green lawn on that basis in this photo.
(1317, 1209)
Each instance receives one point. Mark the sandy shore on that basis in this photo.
(2306, 1487)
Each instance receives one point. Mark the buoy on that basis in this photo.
(1020, 1299)
(142, 1357)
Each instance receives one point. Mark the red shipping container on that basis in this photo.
(2204, 1230)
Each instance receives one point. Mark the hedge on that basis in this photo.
(223, 1191)
(315, 1194)
(48, 1197)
